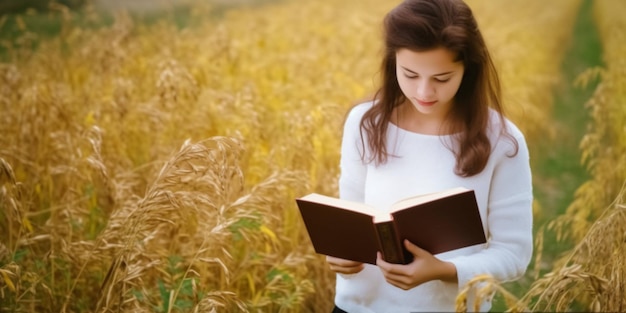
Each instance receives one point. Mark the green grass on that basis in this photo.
(556, 165)
(558, 161)
(46, 25)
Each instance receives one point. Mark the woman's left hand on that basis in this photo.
(425, 267)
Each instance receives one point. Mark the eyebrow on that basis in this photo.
(440, 74)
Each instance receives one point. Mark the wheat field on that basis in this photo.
(148, 167)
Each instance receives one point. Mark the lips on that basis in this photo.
(426, 103)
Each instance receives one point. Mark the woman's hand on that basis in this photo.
(425, 267)
(342, 266)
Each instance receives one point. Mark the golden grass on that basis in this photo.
(591, 276)
(194, 226)
(98, 214)
(91, 125)
(527, 43)
(604, 146)
(484, 288)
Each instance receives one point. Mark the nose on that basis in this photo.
(425, 90)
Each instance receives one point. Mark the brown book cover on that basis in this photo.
(436, 222)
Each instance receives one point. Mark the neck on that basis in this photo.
(407, 117)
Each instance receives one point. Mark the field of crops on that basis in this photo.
(594, 270)
(152, 167)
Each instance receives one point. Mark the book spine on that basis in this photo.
(390, 246)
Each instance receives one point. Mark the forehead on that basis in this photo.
(427, 62)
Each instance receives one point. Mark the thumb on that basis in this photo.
(415, 250)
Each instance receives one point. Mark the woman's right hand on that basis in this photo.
(342, 266)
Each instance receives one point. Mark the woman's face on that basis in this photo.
(429, 79)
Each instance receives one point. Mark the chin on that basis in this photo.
(426, 110)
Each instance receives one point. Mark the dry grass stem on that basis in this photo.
(98, 214)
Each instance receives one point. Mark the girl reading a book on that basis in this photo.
(435, 123)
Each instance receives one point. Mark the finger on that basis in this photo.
(391, 269)
(354, 269)
(398, 281)
(397, 278)
(400, 285)
(402, 281)
(381, 263)
(344, 266)
(379, 259)
(347, 270)
(415, 250)
(342, 262)
(332, 259)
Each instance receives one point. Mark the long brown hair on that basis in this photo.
(421, 25)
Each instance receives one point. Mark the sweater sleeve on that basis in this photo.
(509, 222)
(353, 168)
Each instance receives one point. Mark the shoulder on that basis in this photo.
(499, 124)
(504, 133)
(357, 111)
(355, 114)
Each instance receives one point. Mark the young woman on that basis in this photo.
(436, 123)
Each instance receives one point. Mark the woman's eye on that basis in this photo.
(410, 76)
(442, 80)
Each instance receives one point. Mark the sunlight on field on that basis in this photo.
(152, 168)
(593, 272)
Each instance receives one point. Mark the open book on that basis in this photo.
(436, 222)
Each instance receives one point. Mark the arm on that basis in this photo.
(353, 169)
(509, 222)
(351, 180)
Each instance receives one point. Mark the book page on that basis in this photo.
(412, 201)
(343, 204)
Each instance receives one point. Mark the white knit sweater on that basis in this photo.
(424, 164)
